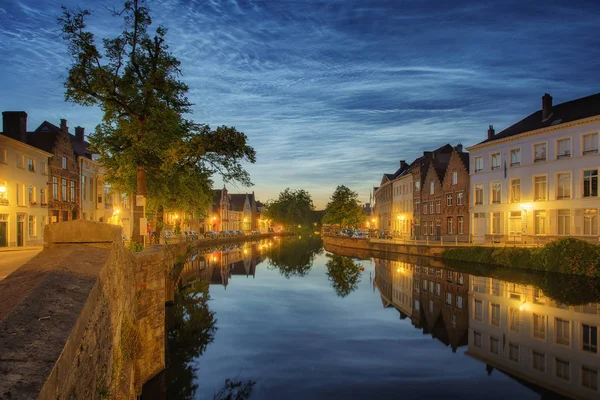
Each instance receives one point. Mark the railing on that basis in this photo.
(592, 151)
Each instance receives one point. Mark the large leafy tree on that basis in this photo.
(344, 208)
(145, 143)
(343, 273)
(291, 208)
(294, 256)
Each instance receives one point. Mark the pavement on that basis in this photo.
(11, 258)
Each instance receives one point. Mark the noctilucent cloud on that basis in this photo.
(334, 91)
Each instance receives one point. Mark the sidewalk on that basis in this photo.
(20, 248)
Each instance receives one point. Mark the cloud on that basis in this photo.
(338, 91)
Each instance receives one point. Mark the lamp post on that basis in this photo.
(525, 207)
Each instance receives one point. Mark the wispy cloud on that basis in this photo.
(333, 92)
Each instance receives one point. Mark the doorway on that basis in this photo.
(3, 230)
(20, 229)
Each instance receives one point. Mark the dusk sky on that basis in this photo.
(331, 92)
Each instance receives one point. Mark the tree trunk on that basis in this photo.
(138, 211)
(159, 220)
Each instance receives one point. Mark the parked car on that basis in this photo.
(224, 234)
(359, 235)
(211, 235)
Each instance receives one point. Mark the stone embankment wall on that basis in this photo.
(386, 246)
(85, 318)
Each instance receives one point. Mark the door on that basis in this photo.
(479, 227)
(3, 233)
(20, 229)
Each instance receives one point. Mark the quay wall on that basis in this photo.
(85, 318)
(387, 246)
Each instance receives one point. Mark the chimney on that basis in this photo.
(14, 125)
(491, 132)
(459, 147)
(79, 132)
(546, 106)
(403, 164)
(63, 124)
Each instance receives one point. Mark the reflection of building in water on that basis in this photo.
(218, 266)
(434, 298)
(440, 304)
(519, 331)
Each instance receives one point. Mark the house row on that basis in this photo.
(50, 175)
(532, 182)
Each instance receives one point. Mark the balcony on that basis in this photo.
(564, 155)
(540, 159)
(592, 151)
(515, 164)
(3, 202)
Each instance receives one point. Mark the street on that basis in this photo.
(12, 260)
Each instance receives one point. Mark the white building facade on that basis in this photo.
(23, 193)
(534, 185)
(402, 213)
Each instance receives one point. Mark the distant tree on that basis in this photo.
(291, 208)
(343, 273)
(344, 208)
(145, 144)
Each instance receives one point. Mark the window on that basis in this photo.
(590, 183)
(424, 207)
(459, 302)
(431, 227)
(479, 193)
(438, 289)
(73, 199)
(20, 161)
(460, 222)
(449, 199)
(449, 298)
(83, 187)
(562, 331)
(54, 188)
(540, 190)
(2, 156)
(91, 191)
(454, 178)
(514, 316)
(563, 369)
(459, 198)
(590, 338)
(64, 162)
(438, 206)
(515, 190)
(424, 284)
(589, 378)
(31, 165)
(496, 223)
(417, 186)
(515, 157)
(495, 161)
(430, 286)
(478, 310)
(44, 168)
(495, 317)
(590, 221)
(450, 225)
(496, 192)
(417, 305)
(431, 207)
(43, 197)
(477, 339)
(563, 148)
(431, 187)
(539, 151)
(31, 226)
(590, 143)
(539, 361)
(478, 164)
(539, 326)
(494, 345)
(20, 195)
(540, 222)
(63, 193)
(563, 190)
(564, 222)
(513, 352)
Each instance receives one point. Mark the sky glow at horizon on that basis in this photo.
(331, 92)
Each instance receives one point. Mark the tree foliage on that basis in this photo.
(295, 255)
(344, 208)
(144, 137)
(291, 208)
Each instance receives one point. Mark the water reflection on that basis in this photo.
(293, 256)
(514, 327)
(343, 273)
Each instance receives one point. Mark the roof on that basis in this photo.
(44, 137)
(573, 110)
(237, 201)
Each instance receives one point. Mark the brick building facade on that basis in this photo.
(455, 200)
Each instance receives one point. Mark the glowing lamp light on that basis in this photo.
(2, 189)
(117, 211)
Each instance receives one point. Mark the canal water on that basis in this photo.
(287, 319)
